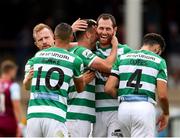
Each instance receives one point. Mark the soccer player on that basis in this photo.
(53, 69)
(10, 107)
(44, 38)
(138, 74)
(106, 106)
(81, 106)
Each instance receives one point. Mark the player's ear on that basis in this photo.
(96, 28)
(115, 29)
(157, 49)
(88, 35)
(71, 38)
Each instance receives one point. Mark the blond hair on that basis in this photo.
(39, 27)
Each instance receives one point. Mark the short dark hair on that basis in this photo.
(8, 65)
(153, 38)
(91, 23)
(107, 16)
(63, 31)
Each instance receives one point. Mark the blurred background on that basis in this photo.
(134, 19)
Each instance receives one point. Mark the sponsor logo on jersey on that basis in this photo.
(47, 96)
(117, 133)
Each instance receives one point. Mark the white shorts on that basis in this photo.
(45, 127)
(137, 119)
(78, 128)
(106, 124)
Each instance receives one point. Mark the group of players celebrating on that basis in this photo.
(95, 80)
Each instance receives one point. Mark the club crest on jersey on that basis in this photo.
(87, 53)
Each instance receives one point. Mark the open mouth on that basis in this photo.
(104, 38)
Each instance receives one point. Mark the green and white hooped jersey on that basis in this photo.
(29, 64)
(53, 70)
(138, 72)
(81, 106)
(105, 102)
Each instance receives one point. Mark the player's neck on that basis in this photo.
(104, 45)
(84, 44)
(63, 45)
(144, 47)
(6, 77)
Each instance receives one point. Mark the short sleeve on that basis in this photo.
(86, 55)
(15, 91)
(115, 67)
(78, 67)
(127, 49)
(162, 75)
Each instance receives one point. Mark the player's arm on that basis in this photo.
(112, 57)
(163, 96)
(93, 61)
(113, 80)
(28, 74)
(163, 101)
(105, 65)
(79, 83)
(15, 97)
(28, 79)
(78, 76)
(101, 65)
(112, 85)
